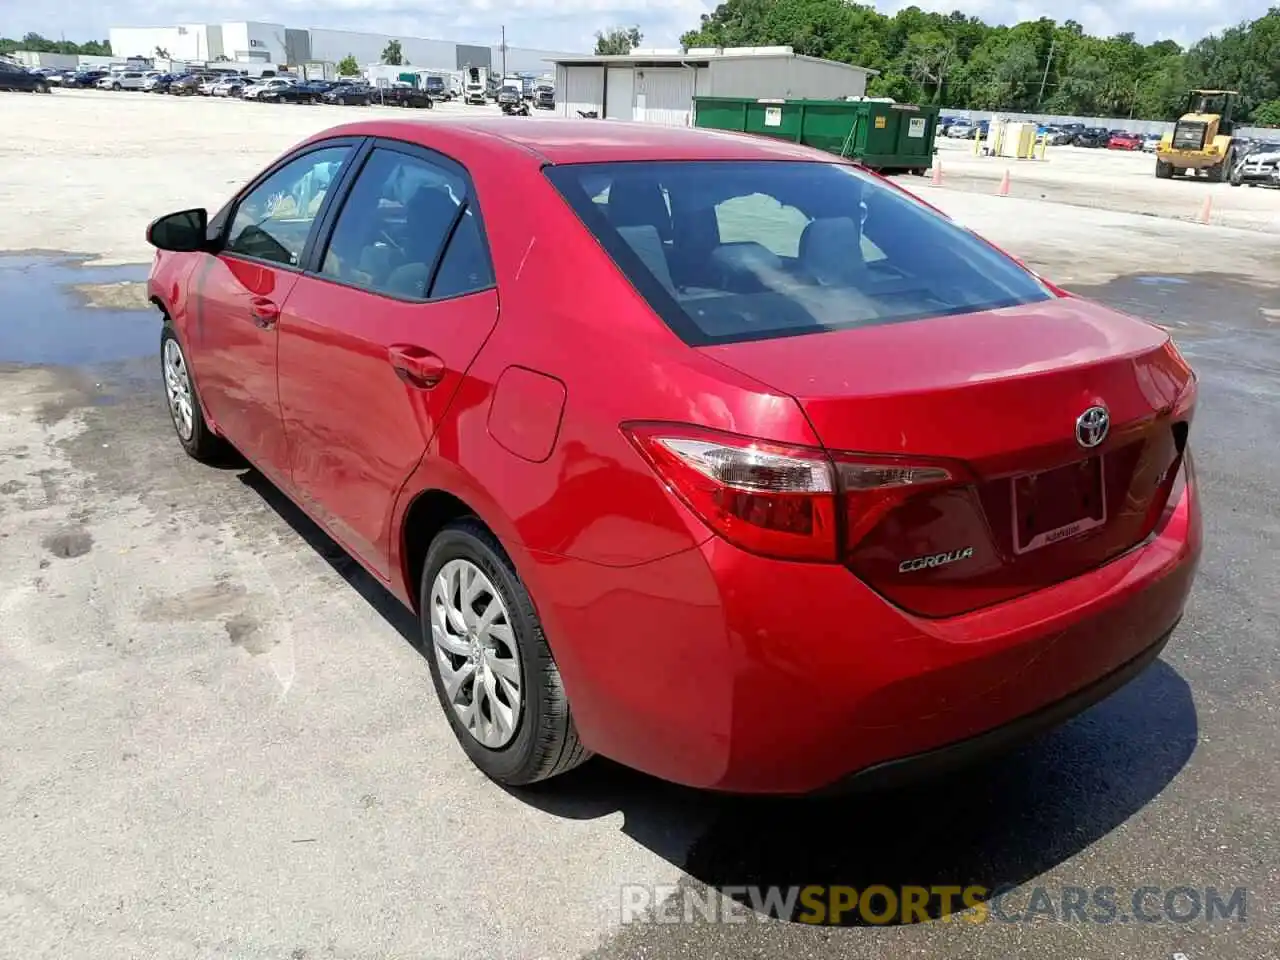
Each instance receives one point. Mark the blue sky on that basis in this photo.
(570, 24)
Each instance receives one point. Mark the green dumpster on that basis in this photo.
(883, 136)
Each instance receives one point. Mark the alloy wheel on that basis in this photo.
(474, 644)
(177, 385)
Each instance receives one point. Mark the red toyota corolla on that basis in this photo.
(712, 454)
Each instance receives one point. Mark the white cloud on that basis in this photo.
(571, 24)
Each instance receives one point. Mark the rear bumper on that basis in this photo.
(891, 774)
(728, 671)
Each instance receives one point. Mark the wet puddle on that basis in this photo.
(55, 310)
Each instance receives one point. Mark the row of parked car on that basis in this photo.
(266, 89)
(1062, 134)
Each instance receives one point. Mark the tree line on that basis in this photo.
(39, 44)
(1040, 66)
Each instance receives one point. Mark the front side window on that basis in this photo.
(392, 233)
(275, 218)
(728, 251)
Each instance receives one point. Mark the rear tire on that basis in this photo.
(116, 87)
(544, 741)
(183, 401)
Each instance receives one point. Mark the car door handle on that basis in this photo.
(416, 366)
(264, 312)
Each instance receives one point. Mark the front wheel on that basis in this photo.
(1222, 171)
(490, 663)
(194, 433)
(42, 88)
(1164, 171)
(116, 87)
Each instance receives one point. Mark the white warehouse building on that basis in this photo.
(274, 43)
(659, 86)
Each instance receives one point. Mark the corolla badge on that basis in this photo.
(1092, 427)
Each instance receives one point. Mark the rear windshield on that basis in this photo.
(734, 251)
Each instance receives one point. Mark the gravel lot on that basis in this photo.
(1115, 180)
(218, 741)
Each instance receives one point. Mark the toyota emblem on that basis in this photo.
(1092, 427)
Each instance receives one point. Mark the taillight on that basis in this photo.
(873, 486)
(773, 499)
(782, 500)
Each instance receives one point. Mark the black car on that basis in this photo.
(351, 94)
(310, 91)
(16, 77)
(544, 98)
(405, 97)
(84, 78)
(1092, 137)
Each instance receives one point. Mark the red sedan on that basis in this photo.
(713, 454)
(1124, 141)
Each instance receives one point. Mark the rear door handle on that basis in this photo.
(415, 365)
(264, 312)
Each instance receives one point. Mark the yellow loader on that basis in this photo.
(1201, 140)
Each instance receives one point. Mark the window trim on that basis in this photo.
(327, 225)
(219, 225)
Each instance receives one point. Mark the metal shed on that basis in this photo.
(658, 86)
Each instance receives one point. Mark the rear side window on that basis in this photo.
(731, 251)
(406, 221)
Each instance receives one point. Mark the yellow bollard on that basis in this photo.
(1044, 145)
(977, 142)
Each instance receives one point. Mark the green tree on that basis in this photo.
(1267, 114)
(347, 66)
(393, 55)
(618, 40)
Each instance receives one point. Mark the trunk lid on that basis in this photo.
(995, 397)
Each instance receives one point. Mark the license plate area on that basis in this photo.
(1058, 504)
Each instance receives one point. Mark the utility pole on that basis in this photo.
(1133, 105)
(1053, 42)
(503, 48)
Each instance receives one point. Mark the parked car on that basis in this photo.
(309, 91)
(15, 77)
(402, 95)
(1259, 164)
(229, 87)
(1124, 140)
(84, 78)
(511, 101)
(961, 130)
(266, 89)
(187, 85)
(125, 80)
(159, 83)
(1149, 142)
(352, 94)
(544, 97)
(1095, 137)
(659, 557)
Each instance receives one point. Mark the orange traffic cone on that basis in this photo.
(1004, 184)
(937, 172)
(1206, 212)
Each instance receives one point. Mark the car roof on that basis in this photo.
(585, 141)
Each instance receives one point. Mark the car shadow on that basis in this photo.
(996, 825)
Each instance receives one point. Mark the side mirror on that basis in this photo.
(183, 232)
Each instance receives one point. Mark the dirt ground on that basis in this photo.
(219, 741)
